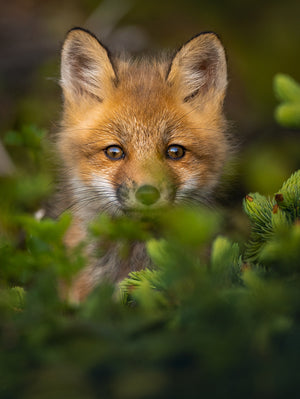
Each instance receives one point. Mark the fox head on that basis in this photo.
(142, 134)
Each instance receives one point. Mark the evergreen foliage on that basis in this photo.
(272, 216)
(288, 93)
(208, 321)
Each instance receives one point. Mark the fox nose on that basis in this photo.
(147, 195)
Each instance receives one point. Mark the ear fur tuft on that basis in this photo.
(86, 68)
(199, 68)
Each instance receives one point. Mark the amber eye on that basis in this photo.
(114, 152)
(175, 151)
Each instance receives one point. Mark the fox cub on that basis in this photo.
(137, 135)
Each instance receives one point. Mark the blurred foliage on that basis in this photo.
(288, 92)
(209, 320)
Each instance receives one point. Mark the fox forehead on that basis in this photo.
(145, 74)
(135, 127)
(130, 131)
(146, 129)
(144, 105)
(135, 111)
(142, 96)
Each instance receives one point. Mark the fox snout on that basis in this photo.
(143, 196)
(147, 195)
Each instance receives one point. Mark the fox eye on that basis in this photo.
(114, 152)
(175, 151)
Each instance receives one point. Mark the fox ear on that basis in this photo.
(199, 69)
(86, 68)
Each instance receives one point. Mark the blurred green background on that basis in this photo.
(261, 38)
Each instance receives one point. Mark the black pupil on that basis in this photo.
(114, 152)
(175, 151)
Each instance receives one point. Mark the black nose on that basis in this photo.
(147, 195)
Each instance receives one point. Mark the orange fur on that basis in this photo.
(143, 107)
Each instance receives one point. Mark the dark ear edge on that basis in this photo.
(109, 54)
(184, 44)
(199, 68)
(86, 68)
